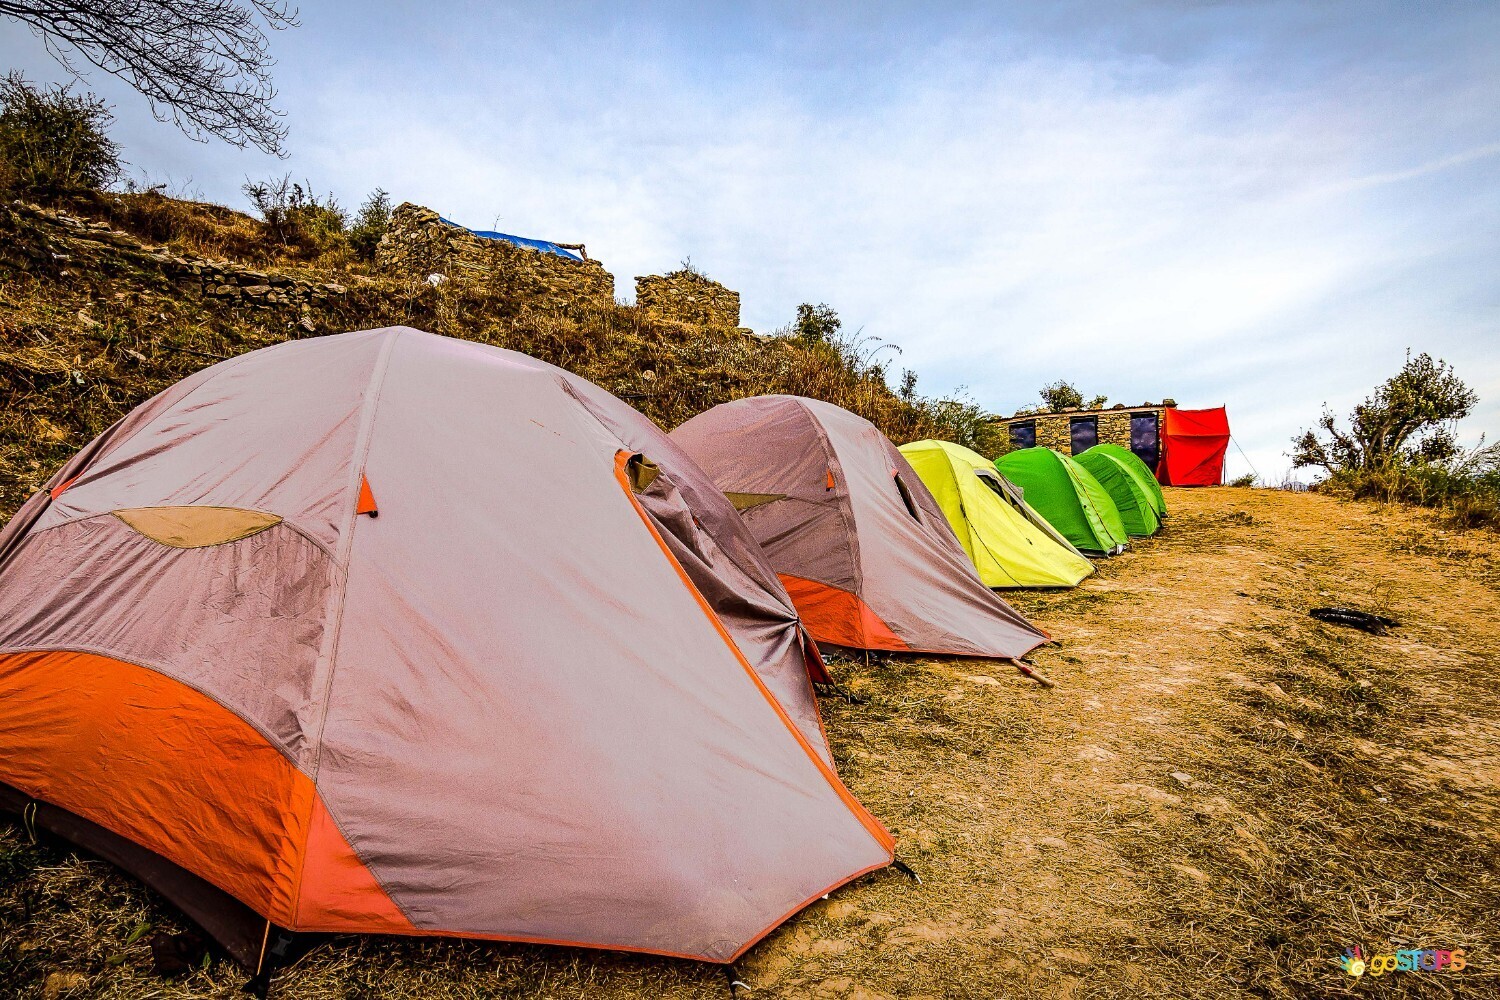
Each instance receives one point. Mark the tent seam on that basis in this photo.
(335, 610)
(844, 505)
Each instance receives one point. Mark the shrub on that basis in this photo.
(1407, 420)
(817, 324)
(1466, 488)
(296, 218)
(54, 145)
(959, 419)
(370, 224)
(1244, 482)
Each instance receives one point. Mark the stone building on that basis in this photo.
(688, 297)
(1073, 430)
(420, 243)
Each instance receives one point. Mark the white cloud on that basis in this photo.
(1257, 206)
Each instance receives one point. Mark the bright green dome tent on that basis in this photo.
(1142, 473)
(1068, 496)
(1009, 544)
(1137, 503)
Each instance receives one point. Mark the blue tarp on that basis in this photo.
(519, 241)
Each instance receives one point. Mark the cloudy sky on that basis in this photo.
(1256, 204)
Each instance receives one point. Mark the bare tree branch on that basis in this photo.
(203, 64)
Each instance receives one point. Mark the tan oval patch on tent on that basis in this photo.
(196, 527)
(744, 501)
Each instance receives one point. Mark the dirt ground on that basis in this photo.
(1219, 797)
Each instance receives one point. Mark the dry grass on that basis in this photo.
(84, 341)
(1330, 788)
(1221, 795)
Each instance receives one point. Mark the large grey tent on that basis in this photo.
(389, 632)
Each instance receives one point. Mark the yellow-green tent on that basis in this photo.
(1010, 545)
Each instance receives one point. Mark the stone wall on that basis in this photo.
(1055, 430)
(73, 239)
(688, 297)
(419, 244)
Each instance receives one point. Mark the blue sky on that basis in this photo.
(1262, 205)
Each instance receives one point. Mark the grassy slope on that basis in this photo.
(1221, 795)
(84, 340)
(1334, 788)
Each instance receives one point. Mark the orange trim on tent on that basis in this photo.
(817, 668)
(830, 479)
(338, 892)
(870, 823)
(159, 763)
(57, 490)
(838, 617)
(366, 498)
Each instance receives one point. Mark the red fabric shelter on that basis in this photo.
(1193, 446)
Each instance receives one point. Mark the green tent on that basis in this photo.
(1066, 494)
(1009, 544)
(1142, 473)
(1136, 501)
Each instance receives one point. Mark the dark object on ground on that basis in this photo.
(1362, 620)
(177, 954)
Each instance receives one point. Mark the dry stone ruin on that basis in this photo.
(420, 243)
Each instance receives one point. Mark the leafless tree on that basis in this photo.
(203, 64)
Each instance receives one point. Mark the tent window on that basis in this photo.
(911, 505)
(642, 472)
(1085, 433)
(992, 480)
(1023, 434)
(196, 527)
(747, 501)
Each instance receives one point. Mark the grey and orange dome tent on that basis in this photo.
(861, 545)
(389, 632)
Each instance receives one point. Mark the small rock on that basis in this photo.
(1056, 843)
(60, 984)
(1196, 874)
(1183, 779)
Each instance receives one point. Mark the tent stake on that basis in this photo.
(1035, 674)
(735, 982)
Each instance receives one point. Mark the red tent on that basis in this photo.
(1193, 445)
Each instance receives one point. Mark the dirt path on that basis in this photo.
(1221, 795)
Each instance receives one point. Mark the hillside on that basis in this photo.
(1220, 796)
(104, 306)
